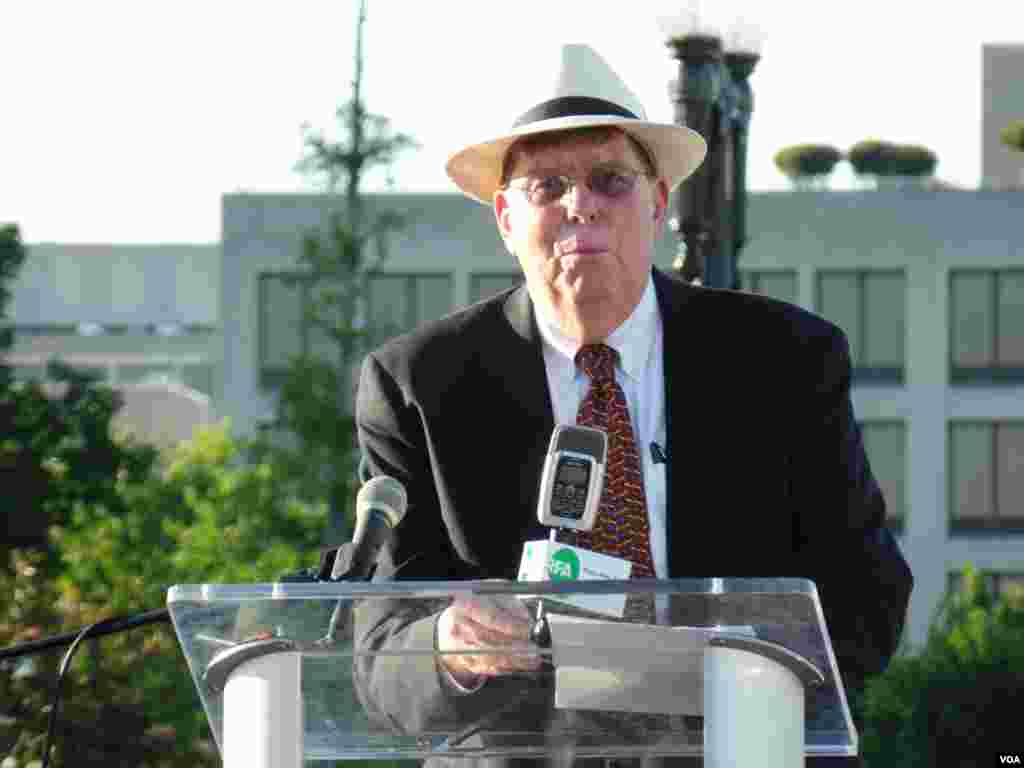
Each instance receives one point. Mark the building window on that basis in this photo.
(399, 303)
(778, 284)
(986, 476)
(483, 285)
(885, 443)
(113, 329)
(29, 372)
(134, 374)
(395, 303)
(56, 329)
(986, 309)
(199, 376)
(870, 307)
(283, 331)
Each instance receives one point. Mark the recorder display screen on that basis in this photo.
(572, 481)
(567, 473)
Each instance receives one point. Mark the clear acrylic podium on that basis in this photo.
(739, 671)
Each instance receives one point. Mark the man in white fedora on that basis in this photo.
(736, 456)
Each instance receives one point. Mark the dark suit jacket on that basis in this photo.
(767, 474)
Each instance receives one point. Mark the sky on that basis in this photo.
(126, 122)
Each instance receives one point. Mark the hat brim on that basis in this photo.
(678, 151)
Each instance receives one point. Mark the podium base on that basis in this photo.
(753, 711)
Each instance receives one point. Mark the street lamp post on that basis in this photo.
(713, 97)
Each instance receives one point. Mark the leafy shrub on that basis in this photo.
(1013, 135)
(957, 702)
(200, 516)
(807, 160)
(883, 158)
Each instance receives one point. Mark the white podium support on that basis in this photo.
(754, 704)
(262, 687)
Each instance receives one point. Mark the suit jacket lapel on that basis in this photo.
(523, 359)
(673, 297)
(521, 363)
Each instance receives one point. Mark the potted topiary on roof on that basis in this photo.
(807, 165)
(1013, 135)
(886, 162)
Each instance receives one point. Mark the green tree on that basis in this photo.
(1013, 135)
(56, 447)
(97, 526)
(12, 256)
(315, 405)
(958, 700)
(201, 516)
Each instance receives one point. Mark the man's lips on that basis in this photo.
(580, 249)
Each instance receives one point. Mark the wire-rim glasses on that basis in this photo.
(612, 182)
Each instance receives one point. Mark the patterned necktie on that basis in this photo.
(621, 528)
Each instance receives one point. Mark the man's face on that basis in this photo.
(588, 254)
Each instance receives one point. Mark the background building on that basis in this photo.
(927, 283)
(128, 312)
(1002, 100)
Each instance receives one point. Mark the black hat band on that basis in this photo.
(571, 106)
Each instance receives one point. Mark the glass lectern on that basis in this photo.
(728, 669)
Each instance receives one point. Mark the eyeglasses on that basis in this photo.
(612, 182)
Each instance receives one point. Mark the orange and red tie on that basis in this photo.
(621, 528)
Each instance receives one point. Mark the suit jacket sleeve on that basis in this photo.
(863, 580)
(401, 689)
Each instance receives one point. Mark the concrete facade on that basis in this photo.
(129, 312)
(1002, 99)
(928, 234)
(445, 235)
(193, 313)
(922, 234)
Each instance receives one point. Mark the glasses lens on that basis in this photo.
(612, 183)
(547, 189)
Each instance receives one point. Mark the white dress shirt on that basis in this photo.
(640, 372)
(639, 340)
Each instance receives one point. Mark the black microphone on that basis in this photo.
(380, 506)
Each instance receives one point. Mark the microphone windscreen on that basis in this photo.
(385, 494)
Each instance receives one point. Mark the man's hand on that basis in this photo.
(480, 623)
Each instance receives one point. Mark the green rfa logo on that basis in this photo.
(564, 565)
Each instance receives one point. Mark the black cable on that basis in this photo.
(55, 704)
(113, 626)
(75, 639)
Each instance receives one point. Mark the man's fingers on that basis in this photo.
(494, 664)
(487, 635)
(506, 616)
(469, 634)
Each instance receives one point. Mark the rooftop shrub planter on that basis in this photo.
(1013, 135)
(807, 161)
(883, 158)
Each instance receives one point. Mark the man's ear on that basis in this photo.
(503, 216)
(660, 203)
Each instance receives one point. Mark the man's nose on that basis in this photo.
(580, 201)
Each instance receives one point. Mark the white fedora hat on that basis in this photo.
(587, 92)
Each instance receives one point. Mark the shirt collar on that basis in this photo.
(633, 339)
